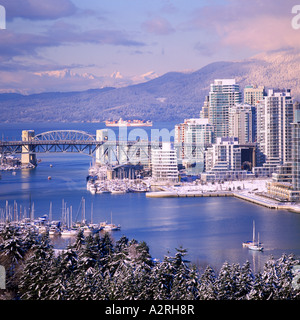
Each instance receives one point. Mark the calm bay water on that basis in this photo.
(211, 229)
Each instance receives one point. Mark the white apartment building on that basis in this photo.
(194, 135)
(274, 130)
(164, 165)
(223, 94)
(253, 94)
(224, 155)
(241, 123)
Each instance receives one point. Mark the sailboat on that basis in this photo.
(252, 245)
(111, 226)
(68, 231)
(256, 246)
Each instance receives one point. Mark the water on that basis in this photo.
(211, 229)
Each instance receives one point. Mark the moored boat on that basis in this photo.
(253, 245)
(111, 227)
(69, 232)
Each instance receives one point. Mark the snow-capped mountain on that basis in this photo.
(173, 96)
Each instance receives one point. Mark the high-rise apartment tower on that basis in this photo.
(223, 94)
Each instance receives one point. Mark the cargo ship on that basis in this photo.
(128, 123)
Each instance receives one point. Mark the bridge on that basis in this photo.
(100, 146)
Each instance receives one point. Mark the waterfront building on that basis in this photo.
(296, 148)
(241, 123)
(224, 155)
(282, 191)
(164, 165)
(285, 184)
(283, 173)
(274, 134)
(282, 187)
(223, 94)
(253, 94)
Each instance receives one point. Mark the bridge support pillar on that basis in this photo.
(104, 153)
(28, 157)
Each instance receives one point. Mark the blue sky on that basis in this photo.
(68, 45)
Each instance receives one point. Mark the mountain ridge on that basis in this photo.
(173, 96)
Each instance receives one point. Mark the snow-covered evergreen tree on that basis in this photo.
(226, 282)
(143, 263)
(207, 288)
(244, 282)
(12, 253)
(181, 276)
(106, 249)
(35, 278)
(162, 279)
(257, 291)
(62, 275)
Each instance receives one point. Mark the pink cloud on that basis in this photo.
(256, 25)
(263, 33)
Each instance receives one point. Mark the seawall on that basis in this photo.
(246, 197)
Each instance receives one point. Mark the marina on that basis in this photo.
(65, 227)
(97, 182)
(116, 186)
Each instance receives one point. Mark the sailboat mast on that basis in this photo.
(50, 212)
(83, 208)
(253, 237)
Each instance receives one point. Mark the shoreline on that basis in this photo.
(242, 195)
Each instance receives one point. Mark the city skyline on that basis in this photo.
(74, 45)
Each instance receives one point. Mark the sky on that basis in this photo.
(71, 45)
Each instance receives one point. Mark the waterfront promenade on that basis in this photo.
(248, 190)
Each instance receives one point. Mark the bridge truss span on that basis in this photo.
(64, 135)
(58, 141)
